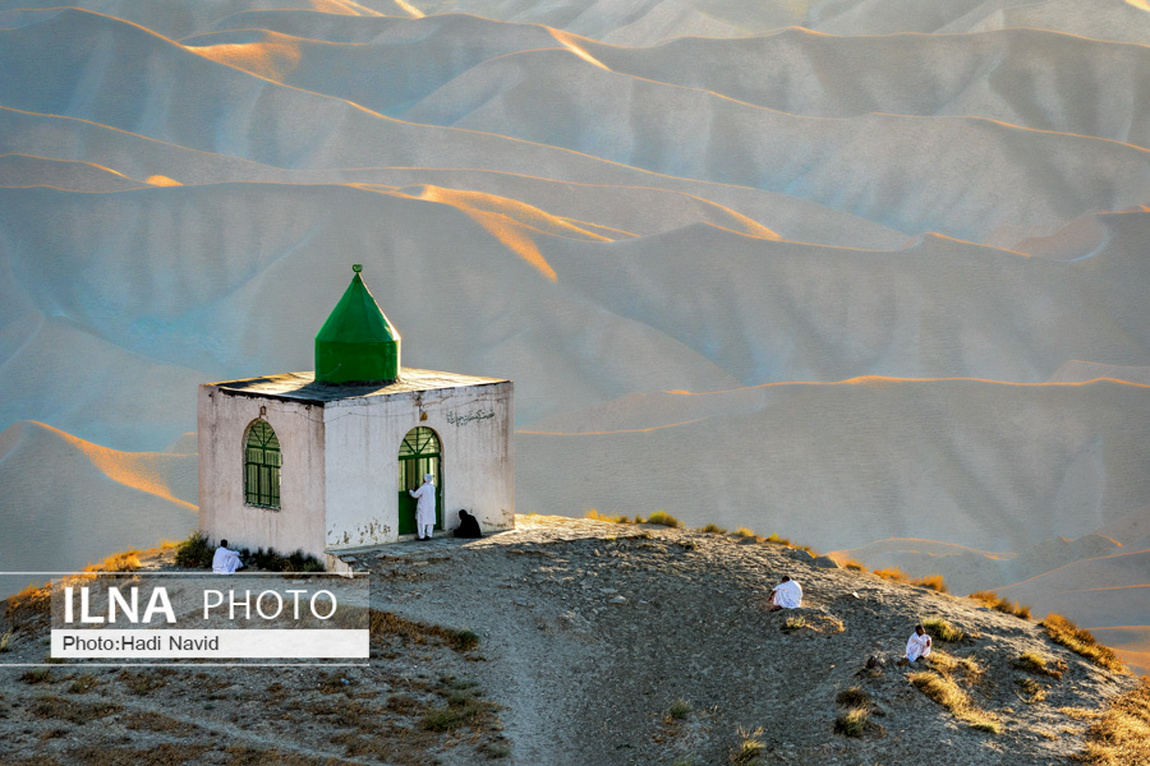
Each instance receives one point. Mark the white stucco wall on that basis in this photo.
(363, 436)
(223, 418)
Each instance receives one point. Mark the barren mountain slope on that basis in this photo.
(599, 643)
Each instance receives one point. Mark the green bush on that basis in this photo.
(664, 519)
(195, 552)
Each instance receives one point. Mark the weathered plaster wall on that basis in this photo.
(223, 419)
(363, 436)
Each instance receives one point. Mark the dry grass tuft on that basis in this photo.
(74, 712)
(942, 630)
(943, 690)
(1080, 641)
(1121, 736)
(744, 532)
(750, 748)
(948, 665)
(894, 574)
(713, 529)
(35, 601)
(1040, 665)
(1000, 604)
(856, 566)
(853, 722)
(679, 710)
(145, 682)
(83, 683)
(854, 696)
(124, 561)
(932, 582)
(385, 624)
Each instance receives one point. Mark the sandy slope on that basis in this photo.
(102, 500)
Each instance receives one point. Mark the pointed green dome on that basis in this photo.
(357, 343)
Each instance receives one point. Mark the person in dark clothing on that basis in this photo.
(468, 525)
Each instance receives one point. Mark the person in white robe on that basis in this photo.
(788, 594)
(226, 561)
(425, 507)
(918, 645)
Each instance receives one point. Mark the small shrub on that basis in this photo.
(680, 709)
(664, 519)
(942, 630)
(777, 540)
(791, 624)
(272, 561)
(194, 552)
(1081, 641)
(852, 722)
(744, 532)
(83, 684)
(6, 641)
(854, 565)
(37, 676)
(713, 529)
(463, 640)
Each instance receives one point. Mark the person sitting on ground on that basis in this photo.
(918, 646)
(468, 525)
(226, 561)
(788, 594)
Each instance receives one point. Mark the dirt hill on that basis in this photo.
(598, 643)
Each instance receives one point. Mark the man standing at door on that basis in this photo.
(424, 508)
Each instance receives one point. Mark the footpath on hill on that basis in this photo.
(583, 641)
(594, 632)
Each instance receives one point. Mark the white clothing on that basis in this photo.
(918, 646)
(226, 561)
(788, 595)
(424, 508)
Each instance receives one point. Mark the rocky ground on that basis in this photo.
(599, 643)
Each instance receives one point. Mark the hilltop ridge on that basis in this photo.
(597, 643)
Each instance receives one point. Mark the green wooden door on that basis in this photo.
(418, 455)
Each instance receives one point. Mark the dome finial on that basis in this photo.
(357, 267)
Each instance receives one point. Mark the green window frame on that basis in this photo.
(262, 466)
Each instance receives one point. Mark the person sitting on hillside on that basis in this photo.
(788, 594)
(918, 646)
(468, 525)
(226, 561)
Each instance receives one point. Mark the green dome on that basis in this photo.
(357, 343)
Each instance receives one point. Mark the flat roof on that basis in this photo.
(302, 387)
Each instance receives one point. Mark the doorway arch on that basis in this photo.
(419, 454)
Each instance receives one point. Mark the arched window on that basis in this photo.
(262, 466)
